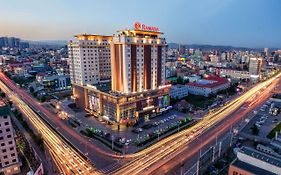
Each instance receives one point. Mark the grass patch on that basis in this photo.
(199, 100)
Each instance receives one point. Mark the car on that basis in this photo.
(275, 120)
(73, 164)
(258, 125)
(79, 170)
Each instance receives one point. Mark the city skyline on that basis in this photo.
(235, 23)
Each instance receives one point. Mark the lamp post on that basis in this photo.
(158, 132)
(112, 142)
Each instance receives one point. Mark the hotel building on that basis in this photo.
(89, 59)
(9, 161)
(137, 90)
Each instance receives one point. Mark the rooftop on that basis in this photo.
(4, 109)
(251, 168)
(139, 32)
(278, 96)
(90, 36)
(261, 156)
(212, 81)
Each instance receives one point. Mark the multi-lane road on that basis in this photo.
(163, 153)
(66, 158)
(160, 157)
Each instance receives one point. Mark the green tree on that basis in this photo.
(21, 145)
(255, 130)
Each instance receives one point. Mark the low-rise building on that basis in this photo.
(9, 161)
(234, 74)
(208, 86)
(178, 91)
(55, 82)
(192, 78)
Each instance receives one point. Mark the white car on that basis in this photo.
(258, 125)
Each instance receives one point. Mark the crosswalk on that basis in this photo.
(112, 167)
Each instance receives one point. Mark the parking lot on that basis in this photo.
(264, 121)
(126, 135)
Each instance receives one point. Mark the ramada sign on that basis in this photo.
(140, 26)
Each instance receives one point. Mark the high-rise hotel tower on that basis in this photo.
(137, 60)
(137, 90)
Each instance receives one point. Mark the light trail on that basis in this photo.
(68, 159)
(141, 161)
(172, 144)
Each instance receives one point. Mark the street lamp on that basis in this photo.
(158, 132)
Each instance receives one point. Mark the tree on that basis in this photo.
(255, 130)
(180, 80)
(31, 89)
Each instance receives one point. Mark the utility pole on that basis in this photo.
(220, 149)
(181, 173)
(231, 136)
(112, 143)
(214, 150)
(198, 167)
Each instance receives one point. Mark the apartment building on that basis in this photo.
(9, 161)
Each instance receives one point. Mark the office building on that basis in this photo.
(266, 52)
(137, 90)
(9, 162)
(9, 42)
(89, 59)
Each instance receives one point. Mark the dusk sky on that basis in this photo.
(248, 23)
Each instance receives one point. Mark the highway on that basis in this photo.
(67, 159)
(147, 161)
(209, 138)
(150, 159)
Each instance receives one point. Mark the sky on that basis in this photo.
(244, 23)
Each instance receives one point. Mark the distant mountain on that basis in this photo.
(47, 43)
(215, 47)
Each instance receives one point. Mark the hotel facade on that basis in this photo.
(89, 59)
(137, 90)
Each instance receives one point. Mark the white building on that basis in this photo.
(255, 66)
(89, 59)
(235, 74)
(192, 78)
(178, 91)
(9, 161)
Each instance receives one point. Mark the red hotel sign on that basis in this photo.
(140, 26)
